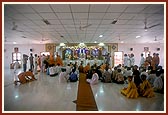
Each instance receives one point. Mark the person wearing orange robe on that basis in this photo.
(59, 60)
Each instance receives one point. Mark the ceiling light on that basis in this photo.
(14, 42)
(100, 36)
(138, 36)
(95, 41)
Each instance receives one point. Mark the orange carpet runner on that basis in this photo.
(85, 99)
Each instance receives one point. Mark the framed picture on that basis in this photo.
(146, 49)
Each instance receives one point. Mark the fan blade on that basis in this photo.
(154, 25)
(86, 26)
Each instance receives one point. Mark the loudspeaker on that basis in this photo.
(158, 49)
(131, 49)
(31, 50)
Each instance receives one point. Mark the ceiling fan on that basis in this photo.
(84, 27)
(15, 27)
(148, 27)
(43, 39)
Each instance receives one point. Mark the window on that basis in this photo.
(16, 56)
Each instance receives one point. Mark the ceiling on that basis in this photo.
(75, 23)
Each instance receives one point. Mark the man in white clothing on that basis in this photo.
(95, 78)
(142, 61)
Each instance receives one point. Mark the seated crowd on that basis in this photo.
(141, 81)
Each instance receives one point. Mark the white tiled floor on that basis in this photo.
(47, 94)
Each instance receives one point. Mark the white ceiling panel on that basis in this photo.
(77, 22)
(78, 16)
(64, 16)
(48, 15)
(64, 8)
(116, 8)
(137, 8)
(82, 8)
(112, 16)
(41, 7)
(96, 16)
(33, 16)
(126, 16)
(99, 7)
(23, 8)
(67, 22)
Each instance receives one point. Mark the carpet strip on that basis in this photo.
(85, 98)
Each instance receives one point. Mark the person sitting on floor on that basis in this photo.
(131, 90)
(145, 89)
(68, 69)
(119, 79)
(99, 72)
(114, 73)
(86, 68)
(80, 68)
(151, 77)
(158, 82)
(106, 77)
(95, 78)
(89, 73)
(25, 77)
(63, 76)
(52, 71)
(73, 76)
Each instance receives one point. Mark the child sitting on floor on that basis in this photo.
(145, 88)
(131, 90)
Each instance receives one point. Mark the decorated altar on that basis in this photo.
(88, 53)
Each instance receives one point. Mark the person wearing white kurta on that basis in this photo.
(132, 60)
(63, 77)
(16, 66)
(125, 60)
(142, 61)
(35, 63)
(95, 78)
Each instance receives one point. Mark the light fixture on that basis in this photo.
(138, 36)
(101, 44)
(62, 44)
(100, 36)
(14, 42)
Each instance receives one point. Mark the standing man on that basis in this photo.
(149, 59)
(35, 63)
(31, 58)
(25, 58)
(107, 58)
(142, 61)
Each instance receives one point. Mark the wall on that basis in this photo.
(23, 49)
(139, 48)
